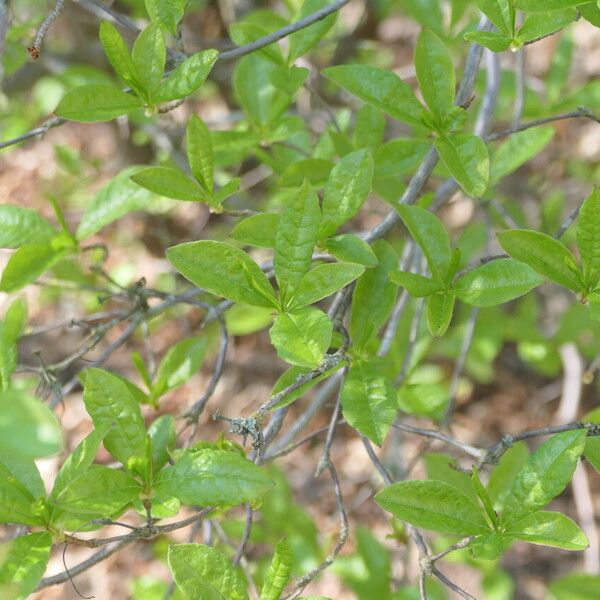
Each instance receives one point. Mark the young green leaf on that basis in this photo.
(347, 188)
(416, 285)
(545, 6)
(188, 77)
(549, 529)
(501, 13)
(200, 152)
(149, 56)
(575, 586)
(181, 362)
(369, 127)
(19, 226)
(322, 281)
(505, 472)
(279, 572)
(373, 298)
(95, 102)
(544, 254)
(440, 308)
(28, 428)
(544, 476)
(118, 55)
(496, 282)
(399, 156)
(496, 42)
(170, 182)
(203, 573)
(431, 236)
(351, 248)
(517, 150)
(109, 402)
(484, 497)
(466, 157)
(23, 563)
(223, 270)
(20, 487)
(368, 399)
(32, 260)
(305, 39)
(79, 460)
(435, 506)
(538, 26)
(295, 240)
(301, 337)
(257, 230)
(98, 492)
(381, 89)
(443, 467)
(117, 198)
(588, 239)
(435, 73)
(163, 435)
(166, 12)
(212, 478)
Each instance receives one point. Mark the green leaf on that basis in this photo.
(322, 281)
(517, 150)
(380, 88)
(544, 476)
(347, 188)
(203, 573)
(15, 319)
(117, 198)
(261, 100)
(257, 230)
(545, 6)
(279, 572)
(302, 41)
(431, 236)
(544, 254)
(484, 497)
(223, 270)
(416, 285)
(350, 248)
(118, 55)
(496, 42)
(19, 226)
(538, 26)
(79, 460)
(302, 337)
(368, 399)
(200, 152)
(170, 182)
(588, 239)
(590, 12)
(20, 486)
(575, 586)
(166, 12)
(96, 102)
(22, 564)
(466, 157)
(213, 478)
(109, 402)
(433, 505)
(505, 472)
(313, 170)
(496, 282)
(149, 56)
(440, 308)
(501, 13)
(592, 445)
(28, 428)
(435, 73)
(30, 261)
(549, 529)
(295, 240)
(164, 437)
(373, 298)
(443, 467)
(399, 156)
(181, 362)
(98, 492)
(188, 77)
